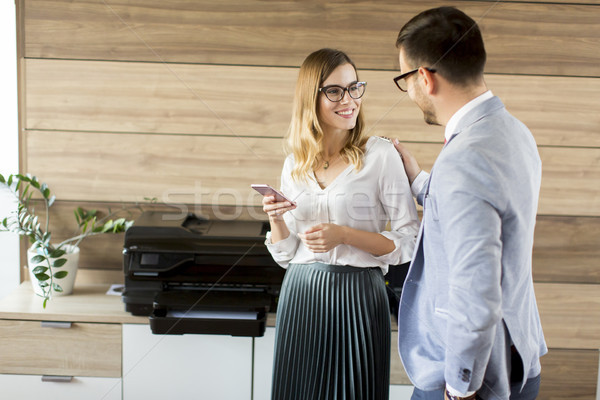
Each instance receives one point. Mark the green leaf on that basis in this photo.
(5, 220)
(35, 183)
(91, 215)
(119, 225)
(39, 270)
(45, 301)
(60, 275)
(25, 191)
(10, 180)
(107, 226)
(42, 277)
(57, 253)
(43, 284)
(46, 193)
(2, 180)
(38, 259)
(77, 217)
(57, 287)
(59, 263)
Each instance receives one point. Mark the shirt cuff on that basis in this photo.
(282, 251)
(455, 392)
(418, 183)
(402, 253)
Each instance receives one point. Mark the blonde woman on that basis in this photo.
(333, 317)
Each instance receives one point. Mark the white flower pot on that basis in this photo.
(66, 283)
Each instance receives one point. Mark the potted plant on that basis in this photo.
(49, 263)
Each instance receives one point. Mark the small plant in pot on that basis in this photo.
(49, 263)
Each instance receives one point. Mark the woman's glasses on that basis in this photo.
(336, 93)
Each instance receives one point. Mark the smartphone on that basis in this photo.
(267, 190)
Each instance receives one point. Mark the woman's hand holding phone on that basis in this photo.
(275, 204)
(275, 209)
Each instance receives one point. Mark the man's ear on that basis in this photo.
(429, 80)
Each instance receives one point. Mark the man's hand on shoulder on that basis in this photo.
(411, 166)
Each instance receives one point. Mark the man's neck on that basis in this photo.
(456, 99)
(453, 123)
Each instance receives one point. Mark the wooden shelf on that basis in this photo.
(88, 303)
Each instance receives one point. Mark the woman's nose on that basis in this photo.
(345, 97)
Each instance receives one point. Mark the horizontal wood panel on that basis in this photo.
(570, 314)
(569, 374)
(173, 168)
(139, 97)
(257, 101)
(570, 173)
(82, 350)
(530, 38)
(566, 249)
(219, 170)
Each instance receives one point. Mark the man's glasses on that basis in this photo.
(336, 93)
(400, 80)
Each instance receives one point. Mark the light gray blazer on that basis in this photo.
(469, 292)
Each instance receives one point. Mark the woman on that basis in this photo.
(333, 319)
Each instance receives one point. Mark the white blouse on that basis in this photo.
(367, 200)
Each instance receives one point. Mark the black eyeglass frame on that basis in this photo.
(406, 74)
(344, 90)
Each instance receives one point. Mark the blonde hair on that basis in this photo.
(304, 138)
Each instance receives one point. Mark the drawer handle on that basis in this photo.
(56, 378)
(56, 324)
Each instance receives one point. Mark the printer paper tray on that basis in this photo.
(213, 313)
(234, 327)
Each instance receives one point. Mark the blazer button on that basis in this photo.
(465, 375)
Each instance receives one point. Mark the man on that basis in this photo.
(468, 322)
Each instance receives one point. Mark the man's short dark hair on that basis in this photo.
(447, 40)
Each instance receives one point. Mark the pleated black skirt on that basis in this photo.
(332, 334)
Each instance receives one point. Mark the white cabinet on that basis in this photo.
(31, 387)
(215, 367)
(264, 348)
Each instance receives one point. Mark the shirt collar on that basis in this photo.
(455, 119)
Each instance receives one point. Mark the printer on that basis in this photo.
(195, 275)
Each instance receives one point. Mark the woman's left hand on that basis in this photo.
(322, 237)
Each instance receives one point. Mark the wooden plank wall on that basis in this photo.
(187, 101)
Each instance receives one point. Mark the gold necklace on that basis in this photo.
(326, 163)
